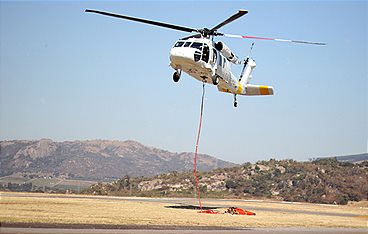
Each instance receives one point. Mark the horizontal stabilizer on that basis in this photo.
(252, 90)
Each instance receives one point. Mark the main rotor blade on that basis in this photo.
(165, 25)
(237, 15)
(198, 35)
(272, 39)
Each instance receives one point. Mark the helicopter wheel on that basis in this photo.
(215, 80)
(176, 76)
(235, 101)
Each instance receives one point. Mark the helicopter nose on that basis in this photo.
(180, 55)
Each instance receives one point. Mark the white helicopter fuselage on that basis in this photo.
(202, 59)
(188, 56)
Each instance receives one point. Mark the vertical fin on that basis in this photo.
(245, 76)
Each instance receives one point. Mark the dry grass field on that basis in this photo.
(64, 209)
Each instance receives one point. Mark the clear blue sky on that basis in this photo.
(69, 75)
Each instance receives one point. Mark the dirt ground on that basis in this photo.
(84, 210)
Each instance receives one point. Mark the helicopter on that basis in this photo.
(208, 61)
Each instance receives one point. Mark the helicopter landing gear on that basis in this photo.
(176, 75)
(235, 101)
(215, 80)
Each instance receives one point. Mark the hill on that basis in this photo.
(320, 181)
(95, 159)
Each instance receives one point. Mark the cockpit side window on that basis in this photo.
(179, 44)
(197, 45)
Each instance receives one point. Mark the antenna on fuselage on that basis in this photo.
(250, 50)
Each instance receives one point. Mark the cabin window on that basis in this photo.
(220, 60)
(179, 44)
(214, 56)
(187, 44)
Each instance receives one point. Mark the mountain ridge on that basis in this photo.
(353, 158)
(96, 159)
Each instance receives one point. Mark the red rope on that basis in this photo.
(196, 150)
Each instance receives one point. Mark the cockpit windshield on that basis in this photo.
(187, 44)
(179, 44)
(202, 51)
(196, 45)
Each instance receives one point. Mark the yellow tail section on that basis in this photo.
(252, 90)
(249, 90)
